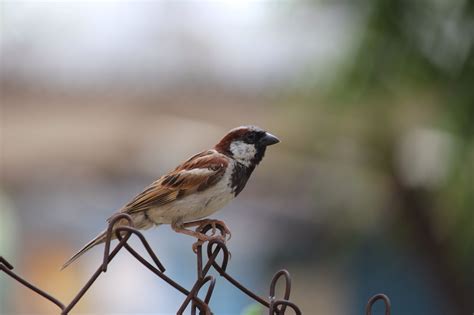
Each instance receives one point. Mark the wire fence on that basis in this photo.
(214, 248)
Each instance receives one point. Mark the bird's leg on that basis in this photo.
(202, 223)
(179, 227)
(214, 223)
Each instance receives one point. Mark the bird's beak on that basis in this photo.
(269, 139)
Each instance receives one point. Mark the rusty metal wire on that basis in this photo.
(122, 227)
(375, 298)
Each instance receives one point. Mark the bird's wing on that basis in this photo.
(196, 174)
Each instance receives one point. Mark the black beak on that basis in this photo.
(269, 139)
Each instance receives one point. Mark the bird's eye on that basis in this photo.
(251, 137)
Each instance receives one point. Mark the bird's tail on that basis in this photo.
(96, 241)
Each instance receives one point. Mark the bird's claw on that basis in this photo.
(196, 245)
(226, 234)
(216, 225)
(200, 242)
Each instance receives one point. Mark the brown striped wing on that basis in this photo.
(198, 173)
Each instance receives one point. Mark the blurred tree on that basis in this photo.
(419, 54)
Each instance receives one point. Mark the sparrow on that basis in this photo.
(197, 188)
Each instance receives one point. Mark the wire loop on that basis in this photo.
(121, 227)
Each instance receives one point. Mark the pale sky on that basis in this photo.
(240, 42)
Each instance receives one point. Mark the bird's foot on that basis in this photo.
(216, 224)
(203, 226)
(201, 241)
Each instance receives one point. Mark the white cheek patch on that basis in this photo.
(243, 152)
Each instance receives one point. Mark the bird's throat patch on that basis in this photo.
(239, 177)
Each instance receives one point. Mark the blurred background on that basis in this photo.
(370, 190)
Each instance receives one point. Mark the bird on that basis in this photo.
(197, 188)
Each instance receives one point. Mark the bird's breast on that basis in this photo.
(197, 205)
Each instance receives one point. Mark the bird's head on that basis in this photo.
(246, 144)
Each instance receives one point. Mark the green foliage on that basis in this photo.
(253, 309)
(413, 69)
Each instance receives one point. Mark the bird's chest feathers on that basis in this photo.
(209, 201)
(217, 196)
(199, 204)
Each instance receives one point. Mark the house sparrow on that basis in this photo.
(197, 188)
